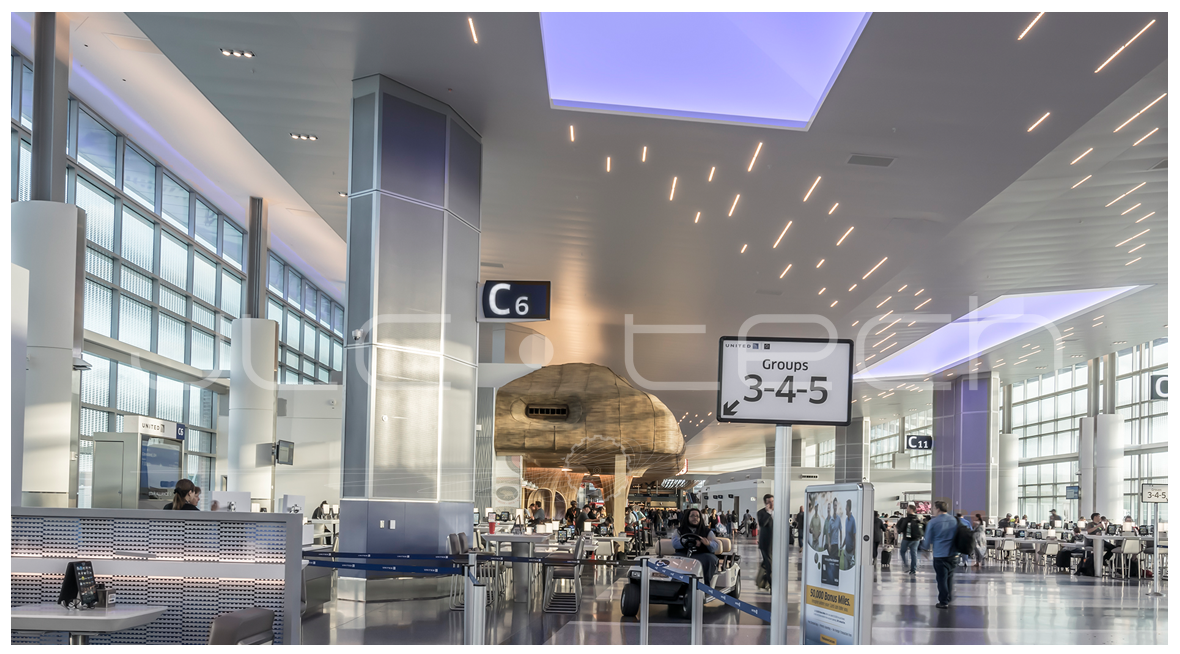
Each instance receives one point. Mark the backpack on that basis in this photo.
(913, 529)
(964, 539)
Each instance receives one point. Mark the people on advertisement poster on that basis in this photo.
(832, 531)
(849, 550)
(832, 574)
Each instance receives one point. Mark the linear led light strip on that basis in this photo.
(813, 185)
(471, 24)
(673, 193)
(571, 133)
(874, 268)
(735, 201)
(608, 164)
(884, 301)
(643, 157)
(1135, 248)
(1080, 183)
(1116, 52)
(1145, 217)
(923, 303)
(785, 270)
(697, 219)
(711, 171)
(1034, 125)
(1126, 194)
(780, 236)
(1137, 205)
(887, 326)
(1140, 112)
(756, 151)
(838, 204)
(1030, 26)
(1080, 156)
(1144, 137)
(845, 233)
(1132, 238)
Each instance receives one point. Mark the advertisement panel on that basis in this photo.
(837, 564)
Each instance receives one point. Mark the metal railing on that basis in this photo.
(698, 589)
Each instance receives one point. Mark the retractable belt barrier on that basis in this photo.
(459, 558)
(385, 568)
(749, 609)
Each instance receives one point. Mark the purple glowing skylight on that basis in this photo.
(1001, 320)
(769, 69)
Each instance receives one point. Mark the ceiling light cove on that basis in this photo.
(1039, 120)
(1001, 321)
(1080, 156)
(1030, 26)
(813, 185)
(735, 201)
(1116, 52)
(1144, 137)
(845, 235)
(765, 69)
(756, 151)
(780, 236)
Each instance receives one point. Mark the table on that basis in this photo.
(81, 624)
(1100, 546)
(333, 529)
(522, 545)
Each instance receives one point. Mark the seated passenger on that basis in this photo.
(694, 539)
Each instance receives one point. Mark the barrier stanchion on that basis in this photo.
(698, 612)
(644, 589)
(473, 611)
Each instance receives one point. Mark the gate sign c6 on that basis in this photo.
(786, 381)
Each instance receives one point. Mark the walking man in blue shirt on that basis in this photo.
(940, 537)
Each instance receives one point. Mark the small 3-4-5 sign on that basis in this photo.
(1153, 493)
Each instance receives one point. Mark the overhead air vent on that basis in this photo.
(488, 264)
(869, 160)
(1161, 165)
(551, 412)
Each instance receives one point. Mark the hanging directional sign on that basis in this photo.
(787, 381)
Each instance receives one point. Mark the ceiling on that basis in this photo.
(975, 204)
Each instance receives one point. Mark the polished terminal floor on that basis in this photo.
(1004, 605)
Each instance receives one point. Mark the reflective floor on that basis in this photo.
(1007, 604)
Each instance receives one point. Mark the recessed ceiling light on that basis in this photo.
(1080, 156)
(919, 292)
(312, 137)
(744, 248)
(711, 171)
(1029, 344)
(834, 303)
(698, 218)
(884, 339)
(1131, 209)
(1099, 323)
(608, 164)
(1126, 194)
(785, 270)
(237, 53)
(845, 235)
(923, 303)
(1116, 52)
(295, 136)
(1080, 183)
(1075, 356)
(735, 201)
(1138, 113)
(838, 204)
(471, 24)
(303, 137)
(884, 301)
(886, 315)
(856, 323)
(874, 268)
(226, 52)
(813, 185)
(342, 194)
(821, 262)
(1099, 317)
(821, 291)
(1030, 26)
(904, 287)
(571, 133)
(851, 287)
(1144, 137)
(1135, 248)
(997, 365)
(1145, 217)
(887, 326)
(780, 236)
(886, 349)
(911, 324)
(1132, 261)
(870, 359)
(1039, 120)
(1119, 343)
(756, 151)
(673, 193)
(1040, 367)
(1134, 237)
(643, 157)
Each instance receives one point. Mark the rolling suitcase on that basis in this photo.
(1063, 559)
(886, 556)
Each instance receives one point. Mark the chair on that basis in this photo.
(562, 568)
(1050, 552)
(1008, 549)
(245, 627)
(1130, 549)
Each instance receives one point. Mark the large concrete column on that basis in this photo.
(622, 486)
(1009, 456)
(411, 339)
(51, 95)
(257, 261)
(1108, 466)
(852, 452)
(1086, 428)
(54, 346)
(253, 408)
(966, 444)
(19, 360)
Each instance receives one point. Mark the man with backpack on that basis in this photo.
(943, 536)
(909, 529)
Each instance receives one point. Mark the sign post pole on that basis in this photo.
(782, 523)
(1155, 556)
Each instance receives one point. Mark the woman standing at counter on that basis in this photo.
(184, 496)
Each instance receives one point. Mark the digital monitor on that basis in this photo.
(603, 530)
(989, 532)
(1023, 533)
(505, 516)
(1146, 530)
(285, 453)
(1112, 530)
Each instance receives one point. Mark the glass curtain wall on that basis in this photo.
(311, 326)
(1146, 424)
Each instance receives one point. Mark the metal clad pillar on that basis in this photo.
(51, 95)
(411, 338)
(852, 452)
(257, 237)
(966, 444)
